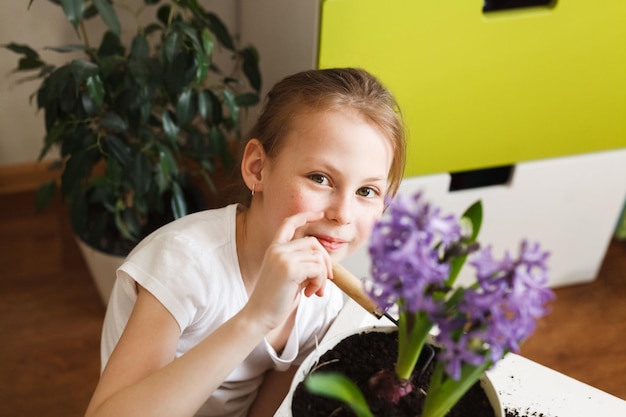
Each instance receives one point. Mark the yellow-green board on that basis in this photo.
(480, 90)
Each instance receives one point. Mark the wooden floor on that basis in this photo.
(50, 319)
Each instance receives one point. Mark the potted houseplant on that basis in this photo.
(140, 126)
(456, 332)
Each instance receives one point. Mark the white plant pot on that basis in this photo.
(312, 360)
(102, 267)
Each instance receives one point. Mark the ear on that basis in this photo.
(252, 163)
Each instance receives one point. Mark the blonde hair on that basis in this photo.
(327, 89)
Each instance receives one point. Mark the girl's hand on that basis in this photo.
(292, 263)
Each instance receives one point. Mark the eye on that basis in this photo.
(319, 178)
(367, 192)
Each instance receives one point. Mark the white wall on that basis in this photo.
(21, 126)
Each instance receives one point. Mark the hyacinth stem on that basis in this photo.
(413, 330)
(444, 392)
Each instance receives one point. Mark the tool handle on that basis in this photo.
(353, 287)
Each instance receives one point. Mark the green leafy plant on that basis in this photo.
(136, 124)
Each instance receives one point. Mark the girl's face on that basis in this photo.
(333, 162)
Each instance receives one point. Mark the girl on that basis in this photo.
(211, 314)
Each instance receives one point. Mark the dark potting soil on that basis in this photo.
(359, 359)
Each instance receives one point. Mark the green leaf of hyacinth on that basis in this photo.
(444, 392)
(339, 387)
(73, 10)
(474, 214)
(108, 15)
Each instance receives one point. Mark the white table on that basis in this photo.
(523, 385)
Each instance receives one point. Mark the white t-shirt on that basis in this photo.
(191, 267)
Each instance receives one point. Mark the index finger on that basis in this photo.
(287, 230)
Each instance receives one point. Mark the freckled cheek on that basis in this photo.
(299, 202)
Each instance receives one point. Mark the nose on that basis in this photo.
(340, 208)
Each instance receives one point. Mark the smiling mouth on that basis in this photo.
(331, 244)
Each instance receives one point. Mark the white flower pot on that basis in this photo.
(102, 267)
(313, 358)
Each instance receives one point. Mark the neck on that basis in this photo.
(250, 248)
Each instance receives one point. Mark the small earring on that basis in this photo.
(253, 185)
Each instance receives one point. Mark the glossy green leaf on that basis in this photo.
(27, 64)
(220, 147)
(141, 173)
(221, 31)
(166, 168)
(73, 10)
(44, 195)
(91, 107)
(132, 223)
(247, 99)
(119, 149)
(82, 70)
(113, 121)
(205, 107)
(202, 69)
(251, 67)
(233, 108)
(170, 128)
(96, 91)
(207, 44)
(177, 202)
(214, 117)
(163, 14)
(21, 49)
(140, 47)
(110, 45)
(108, 15)
(171, 46)
(121, 225)
(185, 110)
(65, 49)
(339, 387)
